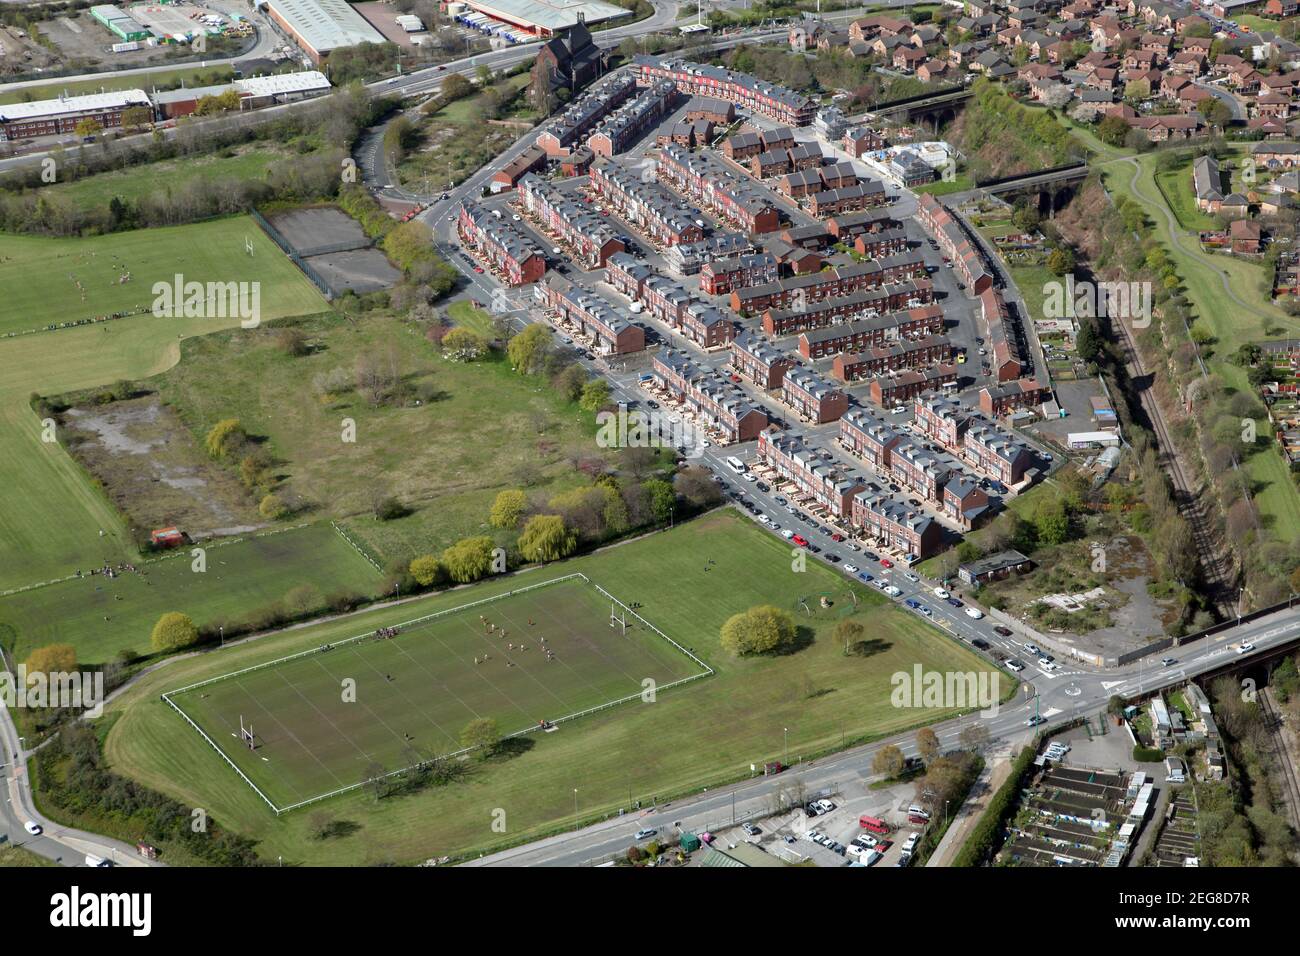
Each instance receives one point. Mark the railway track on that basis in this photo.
(1285, 766)
(1215, 576)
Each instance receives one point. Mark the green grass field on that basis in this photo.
(1237, 314)
(691, 737)
(137, 182)
(51, 514)
(446, 458)
(100, 616)
(51, 281)
(449, 671)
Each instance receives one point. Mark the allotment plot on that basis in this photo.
(328, 719)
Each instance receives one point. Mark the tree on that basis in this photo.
(662, 499)
(136, 117)
(292, 341)
(849, 634)
(88, 127)
(426, 569)
(508, 509)
(173, 631)
(1060, 261)
(527, 351)
(927, 744)
(1088, 343)
(545, 538)
(1052, 521)
(697, 486)
(463, 345)
(974, 736)
(1112, 131)
(888, 762)
(595, 395)
(760, 630)
(52, 659)
(225, 437)
(454, 87)
(272, 507)
(468, 559)
(1215, 111)
(481, 734)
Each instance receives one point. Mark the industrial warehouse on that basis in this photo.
(60, 116)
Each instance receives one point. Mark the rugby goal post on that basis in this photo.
(248, 245)
(618, 618)
(246, 734)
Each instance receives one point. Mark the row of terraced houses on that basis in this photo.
(745, 91)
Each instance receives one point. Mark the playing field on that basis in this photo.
(544, 652)
(101, 616)
(53, 281)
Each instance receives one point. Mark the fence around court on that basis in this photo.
(424, 619)
(288, 249)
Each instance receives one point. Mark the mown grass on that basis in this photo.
(690, 737)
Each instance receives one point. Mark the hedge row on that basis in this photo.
(987, 835)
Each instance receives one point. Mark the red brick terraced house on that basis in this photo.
(878, 245)
(759, 361)
(874, 332)
(708, 396)
(948, 231)
(724, 275)
(901, 387)
(797, 291)
(812, 397)
(910, 294)
(868, 221)
(864, 194)
(868, 438)
(568, 131)
(745, 91)
(992, 452)
(706, 181)
(930, 350)
(504, 248)
(589, 236)
(650, 207)
(1005, 358)
(597, 318)
(896, 525)
(619, 130)
(813, 478)
(1024, 393)
(749, 143)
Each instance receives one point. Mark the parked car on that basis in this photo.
(1015, 666)
(865, 578)
(979, 642)
(1033, 649)
(750, 829)
(646, 833)
(941, 593)
(954, 602)
(974, 612)
(1002, 631)
(886, 563)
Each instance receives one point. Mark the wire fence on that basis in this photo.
(424, 619)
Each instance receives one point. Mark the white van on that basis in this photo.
(97, 861)
(736, 465)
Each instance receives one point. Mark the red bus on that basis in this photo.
(872, 824)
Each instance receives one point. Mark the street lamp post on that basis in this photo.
(785, 749)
